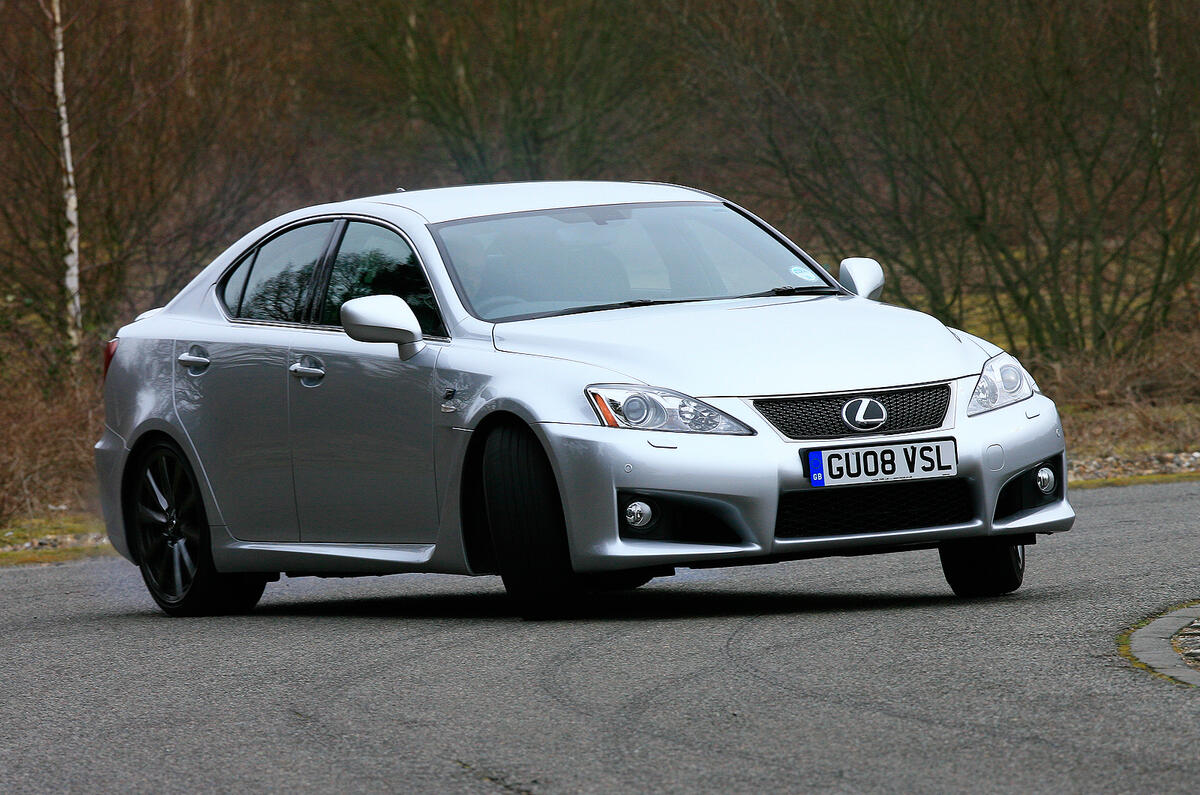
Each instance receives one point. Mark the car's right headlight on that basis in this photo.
(650, 408)
(1002, 383)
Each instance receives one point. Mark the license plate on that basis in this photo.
(847, 465)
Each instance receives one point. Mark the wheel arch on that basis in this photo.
(148, 437)
(476, 532)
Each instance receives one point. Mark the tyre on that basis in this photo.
(983, 567)
(169, 535)
(525, 516)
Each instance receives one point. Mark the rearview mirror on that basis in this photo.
(383, 318)
(861, 276)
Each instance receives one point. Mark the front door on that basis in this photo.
(361, 419)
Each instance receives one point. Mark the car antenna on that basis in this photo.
(399, 189)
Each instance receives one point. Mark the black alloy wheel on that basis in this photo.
(171, 540)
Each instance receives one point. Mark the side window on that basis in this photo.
(376, 261)
(279, 276)
(235, 284)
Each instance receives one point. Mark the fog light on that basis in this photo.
(1045, 480)
(638, 514)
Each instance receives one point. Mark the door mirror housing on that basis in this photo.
(383, 318)
(861, 276)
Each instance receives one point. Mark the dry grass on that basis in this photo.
(46, 438)
(1147, 402)
(1131, 429)
(1163, 373)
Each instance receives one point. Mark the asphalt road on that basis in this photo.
(858, 674)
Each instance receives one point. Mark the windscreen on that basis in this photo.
(591, 258)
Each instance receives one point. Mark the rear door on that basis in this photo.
(361, 430)
(231, 382)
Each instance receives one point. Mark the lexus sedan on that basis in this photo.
(576, 385)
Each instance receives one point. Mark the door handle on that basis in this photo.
(192, 360)
(301, 371)
(195, 359)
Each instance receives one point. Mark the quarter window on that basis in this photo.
(376, 261)
(235, 284)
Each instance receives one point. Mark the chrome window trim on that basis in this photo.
(305, 222)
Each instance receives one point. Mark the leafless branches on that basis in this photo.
(1027, 162)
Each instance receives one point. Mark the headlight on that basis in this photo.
(651, 409)
(1002, 382)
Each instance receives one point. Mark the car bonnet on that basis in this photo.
(754, 347)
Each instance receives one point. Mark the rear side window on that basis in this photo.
(373, 260)
(273, 283)
(235, 284)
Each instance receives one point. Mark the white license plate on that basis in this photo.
(847, 465)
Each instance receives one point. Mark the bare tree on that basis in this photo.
(157, 171)
(74, 321)
(520, 89)
(1020, 167)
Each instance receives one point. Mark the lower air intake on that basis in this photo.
(881, 508)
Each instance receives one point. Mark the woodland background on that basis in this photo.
(1026, 170)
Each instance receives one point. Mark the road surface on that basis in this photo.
(844, 674)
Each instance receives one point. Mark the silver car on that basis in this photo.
(576, 386)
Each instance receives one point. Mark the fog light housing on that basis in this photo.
(638, 514)
(1046, 480)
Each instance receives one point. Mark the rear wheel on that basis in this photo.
(169, 531)
(526, 519)
(983, 567)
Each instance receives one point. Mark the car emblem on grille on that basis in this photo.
(863, 414)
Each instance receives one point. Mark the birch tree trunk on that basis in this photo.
(70, 199)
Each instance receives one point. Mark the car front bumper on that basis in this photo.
(741, 478)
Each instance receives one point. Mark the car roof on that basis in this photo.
(470, 201)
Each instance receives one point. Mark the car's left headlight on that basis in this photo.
(1002, 383)
(649, 408)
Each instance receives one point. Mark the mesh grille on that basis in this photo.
(877, 508)
(919, 409)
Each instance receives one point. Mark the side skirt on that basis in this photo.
(269, 557)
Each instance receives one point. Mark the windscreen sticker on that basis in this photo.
(804, 273)
(816, 470)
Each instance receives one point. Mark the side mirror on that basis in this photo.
(383, 318)
(861, 276)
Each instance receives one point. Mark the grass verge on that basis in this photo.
(52, 539)
(37, 557)
(1123, 645)
(1134, 480)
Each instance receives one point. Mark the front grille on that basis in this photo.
(876, 508)
(919, 408)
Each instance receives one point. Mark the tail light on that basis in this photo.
(110, 350)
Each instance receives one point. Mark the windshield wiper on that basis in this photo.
(575, 310)
(796, 289)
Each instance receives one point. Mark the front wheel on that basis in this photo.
(165, 513)
(526, 519)
(983, 566)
